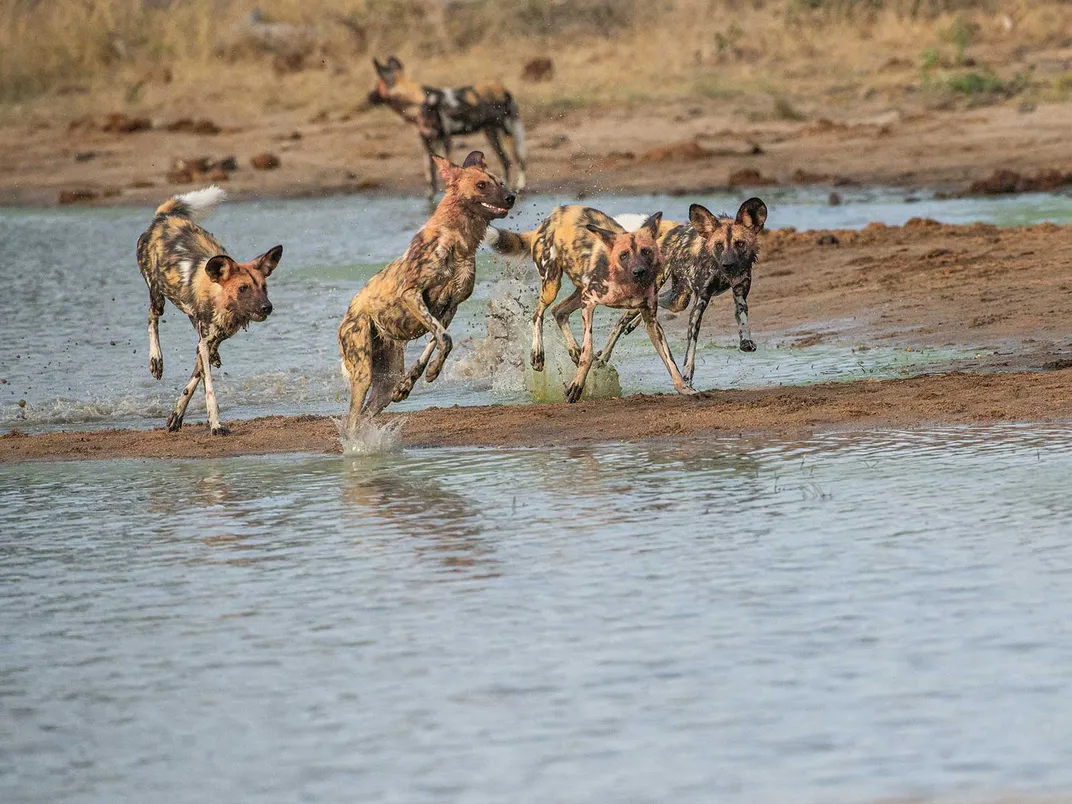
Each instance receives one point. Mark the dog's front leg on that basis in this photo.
(658, 340)
(575, 388)
(627, 322)
(430, 169)
(413, 301)
(740, 312)
(204, 350)
(156, 357)
(562, 312)
(695, 320)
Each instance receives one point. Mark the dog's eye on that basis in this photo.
(738, 244)
(243, 289)
(481, 185)
(645, 253)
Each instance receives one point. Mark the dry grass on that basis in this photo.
(769, 55)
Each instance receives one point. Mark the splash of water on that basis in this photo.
(371, 437)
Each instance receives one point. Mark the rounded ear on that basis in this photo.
(702, 219)
(753, 214)
(267, 262)
(446, 169)
(652, 224)
(219, 267)
(608, 237)
(475, 159)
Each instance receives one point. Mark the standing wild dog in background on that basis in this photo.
(419, 292)
(702, 259)
(607, 266)
(182, 262)
(440, 114)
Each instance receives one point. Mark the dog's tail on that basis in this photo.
(509, 242)
(196, 205)
(630, 221)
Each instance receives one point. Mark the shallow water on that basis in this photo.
(846, 618)
(73, 311)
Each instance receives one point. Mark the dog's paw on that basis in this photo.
(573, 392)
(537, 361)
(156, 367)
(401, 392)
(222, 430)
(748, 346)
(214, 359)
(174, 423)
(434, 369)
(575, 356)
(686, 388)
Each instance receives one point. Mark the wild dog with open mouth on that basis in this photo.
(702, 259)
(440, 114)
(182, 262)
(420, 291)
(607, 266)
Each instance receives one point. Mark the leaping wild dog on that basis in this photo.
(607, 266)
(419, 292)
(182, 262)
(702, 259)
(440, 114)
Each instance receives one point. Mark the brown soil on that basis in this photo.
(1006, 292)
(676, 147)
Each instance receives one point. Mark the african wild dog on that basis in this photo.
(419, 292)
(182, 262)
(702, 259)
(440, 114)
(607, 266)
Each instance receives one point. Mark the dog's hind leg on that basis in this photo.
(584, 364)
(156, 357)
(413, 300)
(514, 138)
(388, 362)
(174, 420)
(627, 322)
(550, 284)
(430, 169)
(658, 340)
(497, 146)
(355, 344)
(562, 311)
(695, 320)
(405, 386)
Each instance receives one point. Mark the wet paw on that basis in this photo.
(748, 346)
(174, 423)
(573, 392)
(537, 361)
(402, 390)
(222, 430)
(575, 356)
(686, 389)
(433, 370)
(156, 367)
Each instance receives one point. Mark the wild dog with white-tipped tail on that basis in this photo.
(185, 264)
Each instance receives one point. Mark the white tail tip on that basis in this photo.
(201, 203)
(630, 221)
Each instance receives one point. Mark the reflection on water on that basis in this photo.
(92, 369)
(845, 618)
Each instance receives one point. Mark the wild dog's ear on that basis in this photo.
(394, 63)
(267, 262)
(702, 220)
(608, 237)
(380, 68)
(219, 268)
(652, 224)
(475, 159)
(753, 214)
(445, 168)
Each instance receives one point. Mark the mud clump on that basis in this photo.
(538, 69)
(749, 177)
(191, 126)
(265, 161)
(689, 151)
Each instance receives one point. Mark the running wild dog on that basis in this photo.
(440, 114)
(182, 262)
(702, 259)
(607, 266)
(419, 292)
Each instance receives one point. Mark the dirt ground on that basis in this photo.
(1006, 292)
(678, 147)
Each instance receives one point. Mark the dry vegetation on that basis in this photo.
(772, 58)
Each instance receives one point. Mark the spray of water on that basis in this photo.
(371, 437)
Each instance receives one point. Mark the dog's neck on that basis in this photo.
(451, 215)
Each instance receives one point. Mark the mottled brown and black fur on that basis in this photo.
(440, 114)
(607, 266)
(419, 292)
(702, 259)
(182, 262)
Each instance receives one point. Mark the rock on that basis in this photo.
(75, 196)
(749, 177)
(827, 239)
(186, 124)
(265, 161)
(834, 199)
(538, 69)
(84, 156)
(120, 123)
(677, 152)
(228, 163)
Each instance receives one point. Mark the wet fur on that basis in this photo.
(703, 259)
(440, 114)
(607, 266)
(183, 263)
(419, 292)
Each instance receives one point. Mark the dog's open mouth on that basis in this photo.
(495, 209)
